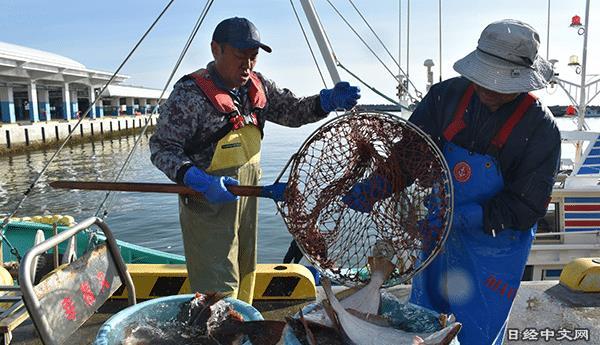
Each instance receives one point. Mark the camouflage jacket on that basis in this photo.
(188, 111)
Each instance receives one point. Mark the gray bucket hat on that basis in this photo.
(506, 59)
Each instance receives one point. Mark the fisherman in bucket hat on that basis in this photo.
(503, 150)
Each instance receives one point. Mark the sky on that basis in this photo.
(99, 34)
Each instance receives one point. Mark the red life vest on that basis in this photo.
(458, 122)
(223, 102)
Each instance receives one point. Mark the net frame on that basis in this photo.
(318, 219)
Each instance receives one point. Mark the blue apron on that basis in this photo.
(476, 276)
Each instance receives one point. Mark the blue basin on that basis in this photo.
(160, 309)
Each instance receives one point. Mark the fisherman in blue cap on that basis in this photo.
(503, 150)
(208, 137)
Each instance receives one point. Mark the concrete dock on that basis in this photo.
(19, 137)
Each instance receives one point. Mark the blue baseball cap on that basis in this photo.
(240, 33)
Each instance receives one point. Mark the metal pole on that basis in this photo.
(440, 28)
(54, 233)
(317, 30)
(582, 96)
(400, 72)
(407, 38)
(399, 37)
(547, 34)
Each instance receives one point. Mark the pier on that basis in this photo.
(25, 136)
(42, 95)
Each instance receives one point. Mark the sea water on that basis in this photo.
(150, 220)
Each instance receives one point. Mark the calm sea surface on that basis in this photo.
(149, 220)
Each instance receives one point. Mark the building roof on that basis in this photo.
(132, 91)
(13, 51)
(20, 64)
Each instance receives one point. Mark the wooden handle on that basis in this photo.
(149, 187)
(245, 190)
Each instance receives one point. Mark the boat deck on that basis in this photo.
(543, 312)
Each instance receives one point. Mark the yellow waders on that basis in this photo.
(220, 239)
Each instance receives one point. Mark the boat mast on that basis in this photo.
(403, 81)
(547, 34)
(324, 47)
(399, 37)
(407, 39)
(400, 74)
(582, 94)
(440, 34)
(583, 90)
(582, 100)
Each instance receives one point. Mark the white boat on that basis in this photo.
(571, 227)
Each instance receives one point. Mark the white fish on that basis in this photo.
(363, 332)
(366, 300)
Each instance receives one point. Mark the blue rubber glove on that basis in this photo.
(212, 187)
(363, 195)
(275, 191)
(342, 96)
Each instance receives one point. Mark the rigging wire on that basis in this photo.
(396, 77)
(326, 37)
(338, 63)
(312, 53)
(362, 40)
(382, 44)
(13, 250)
(373, 89)
(186, 47)
(314, 59)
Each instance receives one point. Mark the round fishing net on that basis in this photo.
(397, 182)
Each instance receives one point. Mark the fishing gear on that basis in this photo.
(401, 210)
(407, 217)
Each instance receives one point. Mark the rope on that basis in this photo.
(413, 98)
(372, 88)
(325, 34)
(377, 37)
(187, 45)
(13, 250)
(363, 41)
(312, 53)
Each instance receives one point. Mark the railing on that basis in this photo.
(564, 233)
(63, 310)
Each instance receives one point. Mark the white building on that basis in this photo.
(40, 86)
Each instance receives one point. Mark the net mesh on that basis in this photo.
(408, 222)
